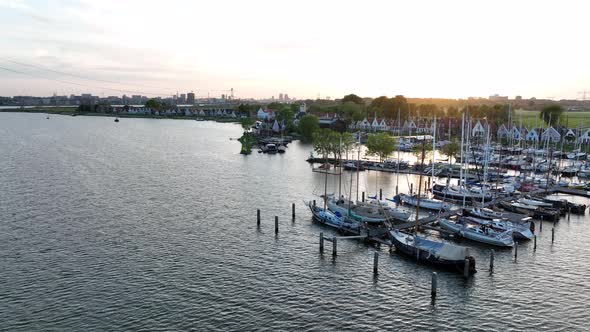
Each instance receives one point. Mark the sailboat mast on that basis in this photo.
(433, 149)
(358, 167)
(461, 153)
(419, 190)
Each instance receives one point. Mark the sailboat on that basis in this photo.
(433, 252)
(329, 218)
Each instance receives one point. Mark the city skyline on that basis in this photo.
(305, 49)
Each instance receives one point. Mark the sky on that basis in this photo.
(442, 49)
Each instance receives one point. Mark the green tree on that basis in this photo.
(247, 123)
(349, 110)
(453, 112)
(154, 104)
(451, 149)
(347, 143)
(551, 114)
(353, 98)
(323, 142)
(308, 125)
(381, 145)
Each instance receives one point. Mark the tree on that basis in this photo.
(323, 142)
(308, 125)
(452, 112)
(381, 145)
(551, 114)
(353, 98)
(351, 110)
(153, 104)
(347, 143)
(247, 123)
(451, 149)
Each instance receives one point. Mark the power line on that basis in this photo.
(78, 76)
(81, 84)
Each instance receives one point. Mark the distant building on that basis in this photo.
(519, 98)
(532, 135)
(478, 130)
(280, 97)
(497, 97)
(182, 98)
(551, 134)
(190, 98)
(585, 138)
(502, 132)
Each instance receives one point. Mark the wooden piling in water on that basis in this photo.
(433, 285)
(276, 225)
(376, 263)
(396, 190)
(492, 260)
(293, 210)
(552, 234)
(334, 246)
(541, 226)
(363, 197)
(380, 194)
(258, 217)
(569, 212)
(411, 189)
(466, 269)
(515, 250)
(321, 242)
(314, 203)
(534, 242)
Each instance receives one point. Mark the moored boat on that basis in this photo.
(436, 253)
(425, 203)
(481, 233)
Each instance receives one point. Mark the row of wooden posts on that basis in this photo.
(434, 281)
(276, 218)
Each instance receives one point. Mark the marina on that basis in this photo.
(143, 223)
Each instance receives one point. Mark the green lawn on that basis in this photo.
(573, 119)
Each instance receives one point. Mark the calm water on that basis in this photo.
(151, 224)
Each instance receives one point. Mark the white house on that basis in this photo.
(532, 135)
(375, 124)
(585, 138)
(365, 124)
(202, 113)
(383, 125)
(409, 125)
(516, 134)
(478, 130)
(502, 132)
(262, 114)
(570, 136)
(551, 134)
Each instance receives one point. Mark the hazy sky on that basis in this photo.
(303, 48)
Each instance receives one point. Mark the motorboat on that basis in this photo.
(425, 202)
(281, 148)
(519, 230)
(478, 233)
(483, 213)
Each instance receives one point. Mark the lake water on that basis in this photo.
(151, 225)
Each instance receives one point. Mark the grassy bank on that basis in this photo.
(573, 119)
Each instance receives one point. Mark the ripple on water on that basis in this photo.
(152, 225)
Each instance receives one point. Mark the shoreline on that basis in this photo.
(74, 113)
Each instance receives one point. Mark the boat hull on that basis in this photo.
(425, 257)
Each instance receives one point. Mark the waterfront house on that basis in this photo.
(551, 134)
(409, 126)
(532, 135)
(569, 136)
(502, 132)
(264, 114)
(478, 130)
(585, 138)
(516, 133)
(364, 125)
